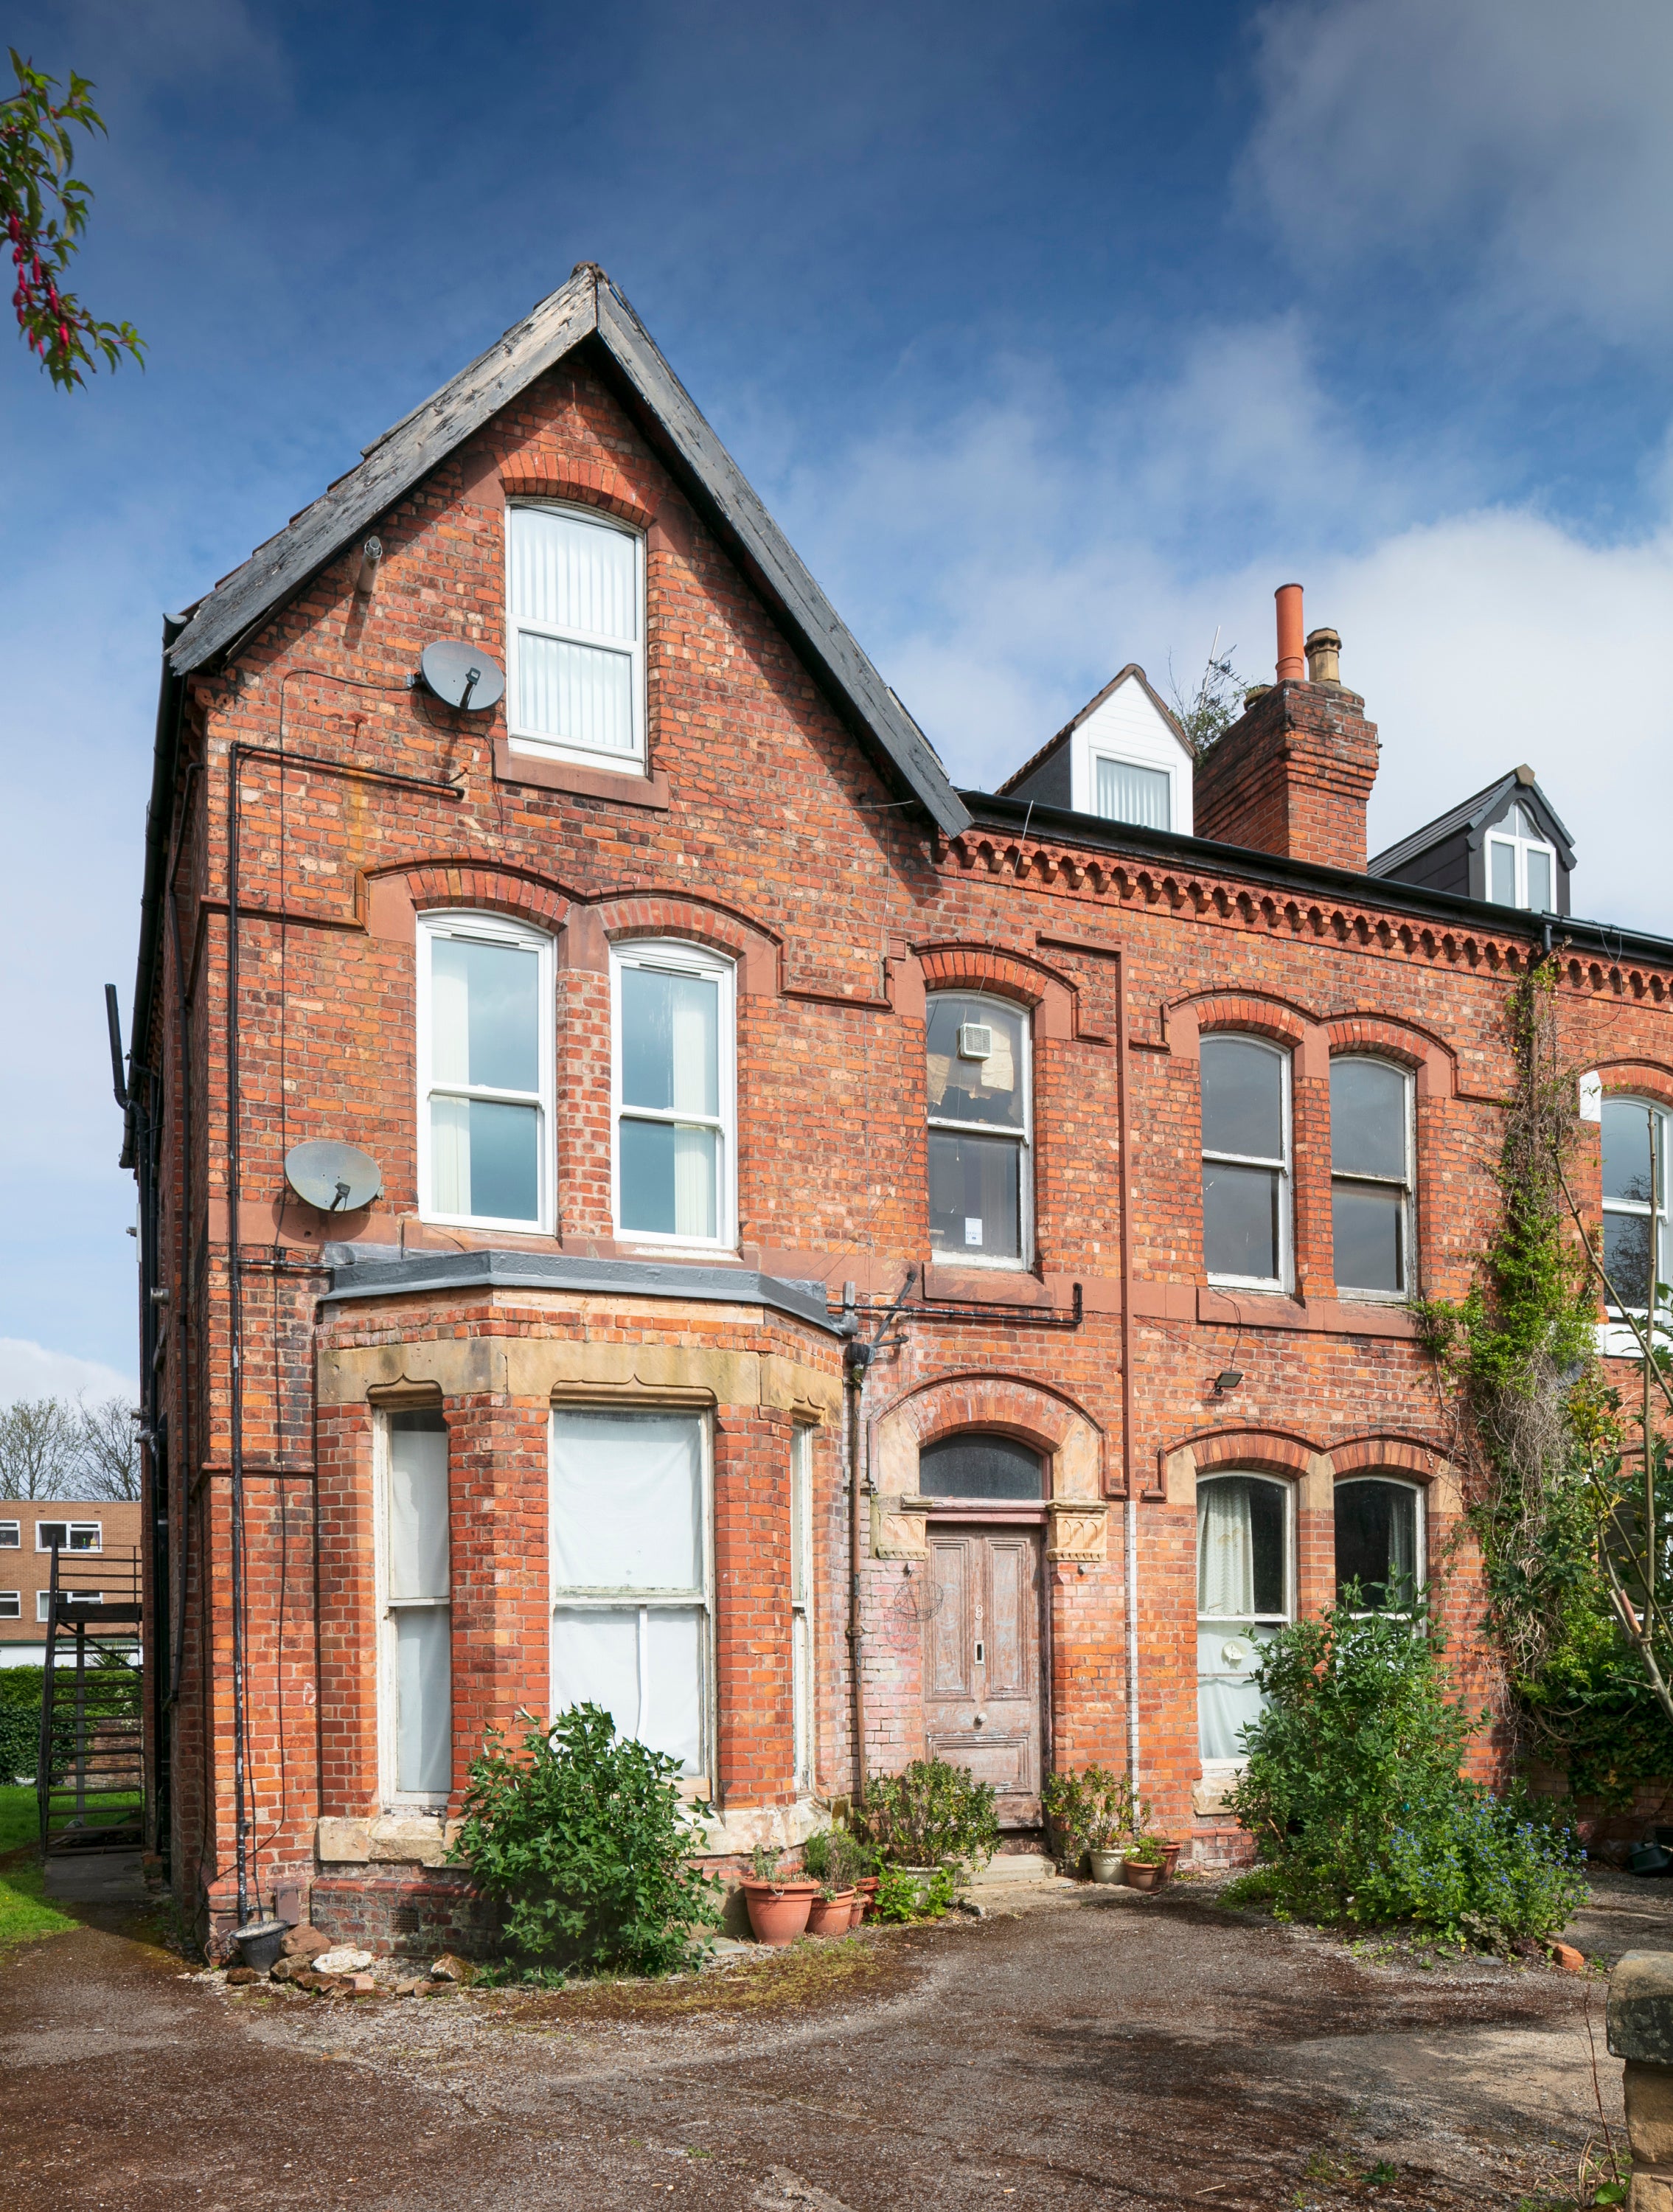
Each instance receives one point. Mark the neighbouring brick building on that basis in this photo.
(87, 1533)
(853, 1265)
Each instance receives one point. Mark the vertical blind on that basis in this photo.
(575, 588)
(1127, 792)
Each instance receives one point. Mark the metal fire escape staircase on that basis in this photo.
(90, 1775)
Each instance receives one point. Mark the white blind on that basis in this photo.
(418, 1513)
(1127, 792)
(626, 1497)
(574, 588)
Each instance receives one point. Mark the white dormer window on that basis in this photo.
(1522, 864)
(575, 634)
(1127, 791)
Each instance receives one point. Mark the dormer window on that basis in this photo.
(575, 632)
(1522, 864)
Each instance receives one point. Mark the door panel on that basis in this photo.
(981, 1661)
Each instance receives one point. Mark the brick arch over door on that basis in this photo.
(1069, 1441)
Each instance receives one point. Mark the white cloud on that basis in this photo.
(32, 1370)
(1523, 148)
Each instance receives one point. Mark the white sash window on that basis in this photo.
(576, 629)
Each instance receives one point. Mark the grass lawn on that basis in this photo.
(26, 1910)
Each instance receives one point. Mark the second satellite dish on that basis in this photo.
(463, 675)
(336, 1178)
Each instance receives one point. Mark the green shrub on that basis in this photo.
(932, 1814)
(582, 1839)
(1092, 1811)
(902, 1896)
(1354, 1795)
(835, 1859)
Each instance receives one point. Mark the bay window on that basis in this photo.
(575, 634)
(1635, 1207)
(630, 1553)
(414, 1593)
(1243, 1583)
(1371, 1177)
(801, 1604)
(675, 1093)
(485, 1065)
(1245, 1161)
(981, 1129)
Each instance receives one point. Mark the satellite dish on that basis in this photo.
(336, 1178)
(463, 675)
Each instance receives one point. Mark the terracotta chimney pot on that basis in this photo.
(1323, 657)
(1292, 663)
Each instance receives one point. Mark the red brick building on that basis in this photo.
(853, 1265)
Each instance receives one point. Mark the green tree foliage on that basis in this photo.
(44, 208)
(581, 1837)
(1355, 1794)
(1207, 712)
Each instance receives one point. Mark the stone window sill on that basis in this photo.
(542, 774)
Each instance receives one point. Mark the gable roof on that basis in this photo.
(1471, 814)
(587, 307)
(1132, 673)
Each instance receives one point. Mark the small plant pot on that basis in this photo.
(258, 1942)
(1169, 1859)
(832, 1916)
(778, 1909)
(865, 1895)
(1106, 1865)
(1144, 1873)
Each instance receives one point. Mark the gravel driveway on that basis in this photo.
(1098, 2050)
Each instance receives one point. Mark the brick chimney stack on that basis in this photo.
(1292, 773)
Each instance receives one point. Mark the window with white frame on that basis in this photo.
(1371, 1177)
(415, 1601)
(1245, 1161)
(1126, 790)
(576, 628)
(1379, 1541)
(70, 1536)
(44, 1600)
(801, 1603)
(11, 1606)
(1635, 1205)
(11, 1535)
(675, 1093)
(1522, 863)
(980, 1130)
(1244, 1582)
(631, 1575)
(485, 1072)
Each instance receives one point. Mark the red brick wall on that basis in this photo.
(1293, 775)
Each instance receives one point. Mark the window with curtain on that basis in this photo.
(1243, 1595)
(485, 1070)
(801, 1603)
(981, 1124)
(1379, 1540)
(576, 626)
(630, 1554)
(417, 1612)
(1370, 1175)
(1635, 1205)
(675, 1093)
(1245, 1161)
(1522, 864)
(1130, 793)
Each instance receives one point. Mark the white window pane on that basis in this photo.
(595, 1662)
(1241, 1220)
(1130, 793)
(1539, 881)
(1227, 1700)
(580, 694)
(1626, 1164)
(417, 1510)
(423, 1728)
(1368, 1228)
(485, 1014)
(1502, 871)
(10, 1609)
(450, 1155)
(485, 1159)
(1367, 1118)
(673, 1703)
(963, 1089)
(570, 573)
(627, 1495)
(669, 1178)
(670, 1040)
(1243, 1098)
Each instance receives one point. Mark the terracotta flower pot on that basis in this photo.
(832, 1916)
(1169, 1859)
(1144, 1873)
(865, 1896)
(778, 1909)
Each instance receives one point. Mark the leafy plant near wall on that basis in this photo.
(1561, 1511)
(582, 1837)
(932, 1813)
(1094, 1810)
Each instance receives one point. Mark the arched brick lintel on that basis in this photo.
(675, 915)
(393, 896)
(540, 476)
(1008, 975)
(1070, 1440)
(1433, 1062)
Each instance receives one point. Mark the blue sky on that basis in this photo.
(1054, 337)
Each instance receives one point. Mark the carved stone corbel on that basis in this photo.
(900, 1527)
(1077, 1529)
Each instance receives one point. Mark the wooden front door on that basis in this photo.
(981, 1661)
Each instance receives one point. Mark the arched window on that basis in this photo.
(1634, 1195)
(977, 1464)
(1379, 1540)
(1370, 1175)
(1245, 1161)
(1244, 1583)
(981, 1127)
(576, 628)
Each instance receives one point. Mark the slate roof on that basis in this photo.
(587, 307)
(1470, 814)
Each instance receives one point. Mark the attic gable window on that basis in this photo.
(1522, 864)
(576, 633)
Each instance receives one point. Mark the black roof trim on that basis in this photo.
(1092, 831)
(358, 1274)
(1470, 814)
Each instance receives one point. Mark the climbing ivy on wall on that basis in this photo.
(1551, 1483)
